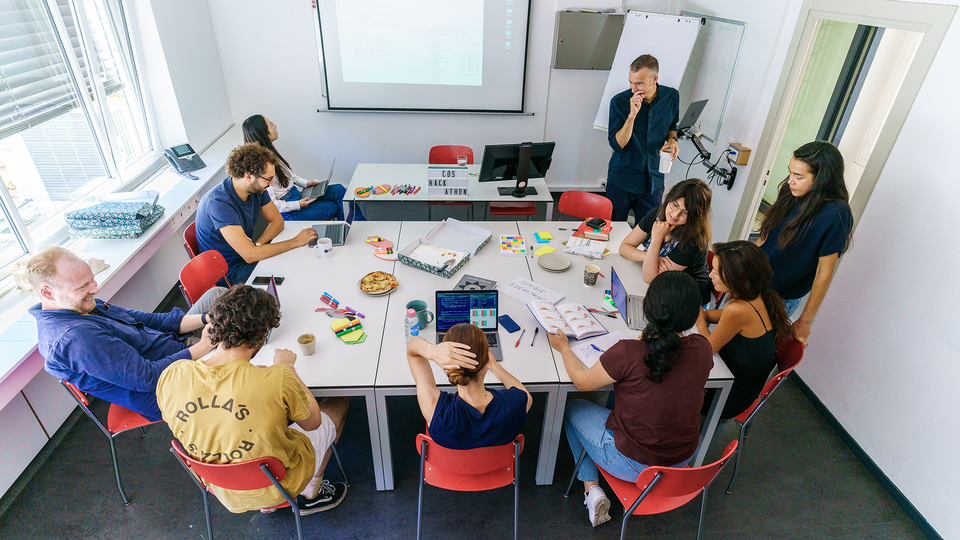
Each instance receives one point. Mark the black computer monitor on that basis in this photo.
(500, 161)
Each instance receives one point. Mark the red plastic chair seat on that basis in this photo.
(201, 273)
(190, 240)
(513, 209)
(583, 205)
(478, 469)
(120, 419)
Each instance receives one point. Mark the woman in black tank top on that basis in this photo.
(748, 328)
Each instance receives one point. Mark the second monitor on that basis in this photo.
(502, 161)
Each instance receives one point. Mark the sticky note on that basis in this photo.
(352, 336)
(337, 324)
(544, 250)
(543, 237)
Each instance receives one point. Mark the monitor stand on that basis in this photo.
(523, 174)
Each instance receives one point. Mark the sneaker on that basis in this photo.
(598, 505)
(330, 496)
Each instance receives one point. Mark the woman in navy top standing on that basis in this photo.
(749, 326)
(807, 229)
(475, 416)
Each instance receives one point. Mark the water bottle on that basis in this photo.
(411, 325)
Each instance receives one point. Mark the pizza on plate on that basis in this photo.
(377, 282)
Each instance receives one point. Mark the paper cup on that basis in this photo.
(307, 343)
(666, 161)
(462, 161)
(324, 248)
(590, 273)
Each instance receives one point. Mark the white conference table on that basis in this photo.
(372, 174)
(531, 365)
(570, 283)
(336, 369)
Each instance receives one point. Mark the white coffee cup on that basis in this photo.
(324, 248)
(666, 161)
(307, 343)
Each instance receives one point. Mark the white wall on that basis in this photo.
(878, 357)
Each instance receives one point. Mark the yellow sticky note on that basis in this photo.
(337, 324)
(350, 337)
(544, 250)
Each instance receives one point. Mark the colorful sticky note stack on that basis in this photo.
(543, 237)
(512, 246)
(351, 332)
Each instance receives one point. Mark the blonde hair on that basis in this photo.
(41, 269)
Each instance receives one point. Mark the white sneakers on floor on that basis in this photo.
(598, 505)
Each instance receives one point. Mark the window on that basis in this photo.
(71, 114)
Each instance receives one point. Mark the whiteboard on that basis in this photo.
(669, 38)
(710, 70)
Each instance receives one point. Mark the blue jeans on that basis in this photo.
(585, 422)
(328, 206)
(623, 201)
(791, 306)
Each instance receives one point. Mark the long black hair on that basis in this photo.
(745, 270)
(696, 197)
(826, 165)
(255, 130)
(672, 305)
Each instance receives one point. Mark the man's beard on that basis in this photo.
(84, 306)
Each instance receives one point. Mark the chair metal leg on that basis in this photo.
(516, 490)
(116, 471)
(206, 513)
(336, 455)
(143, 432)
(736, 466)
(423, 459)
(296, 516)
(627, 512)
(576, 468)
(703, 511)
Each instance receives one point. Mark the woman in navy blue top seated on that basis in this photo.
(475, 416)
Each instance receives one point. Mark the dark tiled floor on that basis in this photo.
(797, 481)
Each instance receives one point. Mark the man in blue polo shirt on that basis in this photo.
(642, 123)
(112, 353)
(227, 213)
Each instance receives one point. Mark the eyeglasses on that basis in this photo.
(674, 206)
(265, 178)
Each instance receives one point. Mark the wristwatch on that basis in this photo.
(203, 318)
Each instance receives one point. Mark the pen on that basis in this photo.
(534, 338)
(598, 349)
(601, 275)
(521, 336)
(416, 190)
(562, 229)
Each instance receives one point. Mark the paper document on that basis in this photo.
(523, 290)
(588, 352)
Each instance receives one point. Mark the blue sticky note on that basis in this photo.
(543, 238)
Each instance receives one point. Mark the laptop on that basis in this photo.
(630, 306)
(478, 308)
(691, 116)
(336, 231)
(318, 190)
(272, 289)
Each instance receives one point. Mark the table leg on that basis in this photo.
(549, 214)
(369, 399)
(544, 462)
(711, 421)
(386, 458)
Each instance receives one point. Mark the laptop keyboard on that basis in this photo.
(635, 311)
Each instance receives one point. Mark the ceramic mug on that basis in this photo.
(324, 248)
(423, 316)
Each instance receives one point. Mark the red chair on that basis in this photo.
(583, 205)
(446, 154)
(789, 354)
(242, 476)
(201, 273)
(119, 419)
(479, 469)
(661, 489)
(190, 240)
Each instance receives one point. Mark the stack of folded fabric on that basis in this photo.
(113, 219)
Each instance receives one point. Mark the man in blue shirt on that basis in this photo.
(642, 123)
(227, 213)
(113, 353)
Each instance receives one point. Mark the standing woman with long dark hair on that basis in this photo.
(285, 190)
(807, 229)
(658, 383)
(749, 326)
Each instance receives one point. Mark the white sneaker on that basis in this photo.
(598, 505)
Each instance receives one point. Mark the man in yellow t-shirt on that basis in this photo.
(225, 409)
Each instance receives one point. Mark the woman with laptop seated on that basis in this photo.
(675, 236)
(285, 190)
(749, 327)
(658, 382)
(474, 416)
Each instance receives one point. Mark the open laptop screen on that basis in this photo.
(618, 293)
(478, 308)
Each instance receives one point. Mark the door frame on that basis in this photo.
(932, 20)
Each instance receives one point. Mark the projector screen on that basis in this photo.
(424, 55)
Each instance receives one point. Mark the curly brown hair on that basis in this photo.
(242, 317)
(473, 337)
(250, 158)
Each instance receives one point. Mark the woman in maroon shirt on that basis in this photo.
(658, 383)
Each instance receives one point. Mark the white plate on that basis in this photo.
(554, 262)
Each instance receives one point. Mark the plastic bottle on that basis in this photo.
(411, 325)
